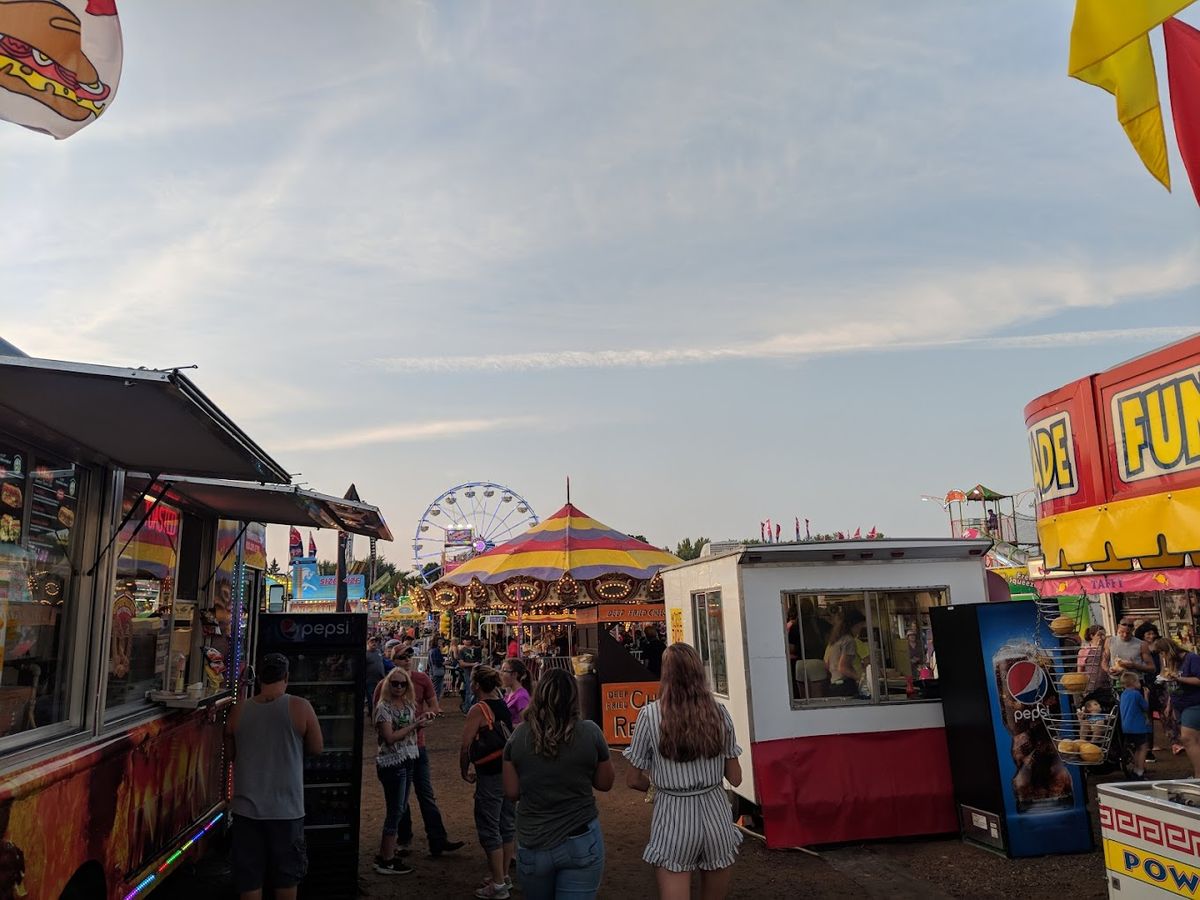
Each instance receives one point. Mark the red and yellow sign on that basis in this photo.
(610, 613)
(622, 703)
(1116, 462)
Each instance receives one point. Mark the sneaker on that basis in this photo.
(490, 891)
(393, 866)
(447, 847)
(1151, 758)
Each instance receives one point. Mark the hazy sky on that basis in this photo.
(716, 262)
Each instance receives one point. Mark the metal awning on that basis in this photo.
(270, 503)
(137, 419)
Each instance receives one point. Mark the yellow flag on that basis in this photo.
(1102, 27)
(1129, 75)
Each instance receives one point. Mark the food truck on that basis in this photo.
(823, 654)
(130, 563)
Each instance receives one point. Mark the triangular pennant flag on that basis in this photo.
(1183, 76)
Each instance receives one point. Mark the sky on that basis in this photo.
(715, 262)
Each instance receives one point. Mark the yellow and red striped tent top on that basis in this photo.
(568, 541)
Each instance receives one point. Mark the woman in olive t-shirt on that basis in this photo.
(551, 764)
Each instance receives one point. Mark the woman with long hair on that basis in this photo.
(514, 678)
(397, 724)
(1161, 693)
(1181, 670)
(485, 735)
(841, 656)
(684, 744)
(553, 761)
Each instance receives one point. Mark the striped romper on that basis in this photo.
(692, 827)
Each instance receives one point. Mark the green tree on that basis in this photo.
(273, 568)
(326, 567)
(689, 549)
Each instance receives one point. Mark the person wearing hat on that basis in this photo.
(267, 739)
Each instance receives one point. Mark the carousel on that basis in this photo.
(571, 563)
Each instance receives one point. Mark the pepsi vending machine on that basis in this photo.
(326, 652)
(1013, 792)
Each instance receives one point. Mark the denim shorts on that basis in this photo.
(1190, 718)
(265, 848)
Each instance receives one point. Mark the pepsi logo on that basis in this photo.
(288, 629)
(294, 630)
(1027, 683)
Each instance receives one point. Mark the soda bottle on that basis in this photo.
(1025, 685)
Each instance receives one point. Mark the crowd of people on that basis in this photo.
(1138, 662)
(535, 764)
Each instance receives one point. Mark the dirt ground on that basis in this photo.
(928, 868)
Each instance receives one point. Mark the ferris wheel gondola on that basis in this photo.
(464, 521)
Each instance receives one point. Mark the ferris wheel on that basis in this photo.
(464, 521)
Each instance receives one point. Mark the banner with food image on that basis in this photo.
(60, 61)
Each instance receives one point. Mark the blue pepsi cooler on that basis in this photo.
(1014, 792)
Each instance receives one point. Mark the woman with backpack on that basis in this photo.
(552, 764)
(685, 744)
(487, 730)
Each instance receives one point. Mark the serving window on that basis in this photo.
(39, 505)
(861, 646)
(710, 638)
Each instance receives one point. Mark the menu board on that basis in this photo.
(52, 512)
(13, 469)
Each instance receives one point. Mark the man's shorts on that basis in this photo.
(268, 850)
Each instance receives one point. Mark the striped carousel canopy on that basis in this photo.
(570, 542)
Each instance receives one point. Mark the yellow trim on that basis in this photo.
(1170, 875)
(1111, 535)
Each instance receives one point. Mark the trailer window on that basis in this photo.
(141, 647)
(861, 647)
(710, 638)
(39, 504)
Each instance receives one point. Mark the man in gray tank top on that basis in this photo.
(1126, 653)
(267, 737)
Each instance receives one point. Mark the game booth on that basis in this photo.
(571, 561)
(823, 654)
(1116, 460)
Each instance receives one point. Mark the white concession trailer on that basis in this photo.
(823, 654)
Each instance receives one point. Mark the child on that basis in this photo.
(1135, 721)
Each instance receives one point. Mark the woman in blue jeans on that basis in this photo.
(397, 724)
(551, 765)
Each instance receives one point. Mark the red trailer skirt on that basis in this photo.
(831, 788)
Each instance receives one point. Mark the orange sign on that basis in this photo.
(620, 612)
(622, 703)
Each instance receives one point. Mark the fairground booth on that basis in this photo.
(571, 562)
(823, 654)
(1116, 460)
(131, 575)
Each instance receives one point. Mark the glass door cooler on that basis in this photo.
(326, 654)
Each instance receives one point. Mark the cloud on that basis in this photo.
(409, 432)
(783, 347)
(952, 309)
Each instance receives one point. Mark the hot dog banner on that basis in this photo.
(60, 61)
